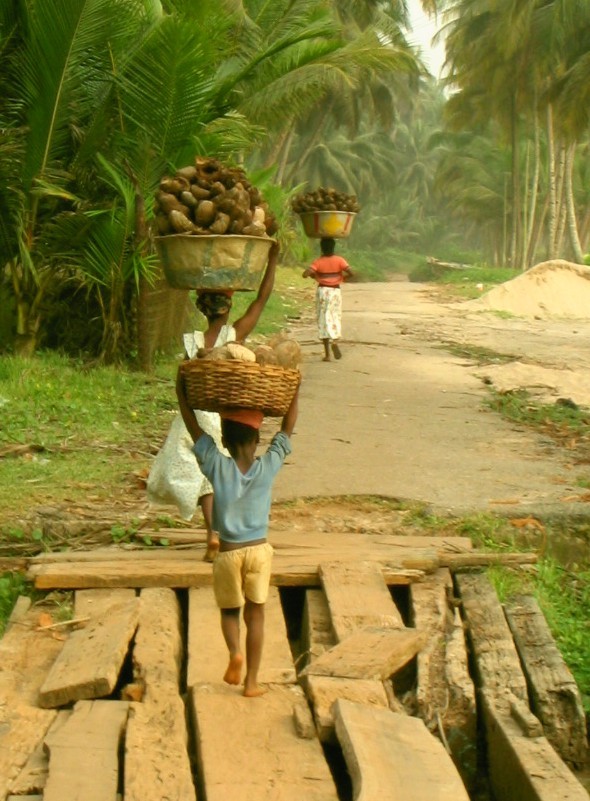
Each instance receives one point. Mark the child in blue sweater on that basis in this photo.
(242, 485)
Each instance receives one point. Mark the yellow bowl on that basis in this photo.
(327, 224)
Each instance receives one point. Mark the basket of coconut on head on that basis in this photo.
(213, 228)
(326, 213)
(235, 376)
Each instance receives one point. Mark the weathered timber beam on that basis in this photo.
(455, 561)
(173, 573)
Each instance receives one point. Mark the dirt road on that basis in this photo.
(401, 416)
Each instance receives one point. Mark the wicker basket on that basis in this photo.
(224, 261)
(216, 385)
(330, 224)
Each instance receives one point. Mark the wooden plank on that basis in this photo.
(94, 603)
(157, 764)
(394, 757)
(284, 541)
(523, 768)
(317, 634)
(207, 652)
(370, 653)
(268, 761)
(555, 696)
(26, 654)
(158, 650)
(179, 573)
(486, 559)
(358, 597)
(445, 694)
(90, 772)
(323, 691)
(21, 729)
(30, 652)
(90, 662)
(497, 665)
(423, 558)
(33, 777)
(19, 610)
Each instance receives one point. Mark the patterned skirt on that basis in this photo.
(329, 312)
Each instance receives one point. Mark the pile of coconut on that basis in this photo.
(208, 197)
(325, 199)
(552, 289)
(280, 350)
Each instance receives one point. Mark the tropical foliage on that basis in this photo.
(105, 96)
(100, 100)
(517, 69)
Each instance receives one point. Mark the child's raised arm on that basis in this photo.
(290, 417)
(187, 413)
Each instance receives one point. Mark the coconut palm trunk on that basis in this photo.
(571, 221)
(515, 251)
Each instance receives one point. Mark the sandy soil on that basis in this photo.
(401, 416)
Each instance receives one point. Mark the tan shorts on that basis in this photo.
(241, 574)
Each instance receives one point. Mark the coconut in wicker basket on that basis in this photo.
(215, 386)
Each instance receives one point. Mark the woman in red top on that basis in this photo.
(329, 271)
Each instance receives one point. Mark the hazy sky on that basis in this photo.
(423, 29)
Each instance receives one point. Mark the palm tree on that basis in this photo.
(364, 72)
(54, 66)
(471, 184)
(106, 97)
(528, 47)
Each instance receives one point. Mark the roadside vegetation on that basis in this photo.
(560, 580)
(102, 100)
(70, 427)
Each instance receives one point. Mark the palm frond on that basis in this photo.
(175, 67)
(64, 55)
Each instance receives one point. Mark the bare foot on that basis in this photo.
(254, 692)
(336, 351)
(233, 674)
(326, 359)
(212, 548)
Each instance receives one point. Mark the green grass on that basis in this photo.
(564, 597)
(476, 353)
(467, 283)
(11, 586)
(565, 422)
(475, 281)
(85, 427)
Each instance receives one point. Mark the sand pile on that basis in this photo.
(551, 289)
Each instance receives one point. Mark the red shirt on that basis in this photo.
(328, 270)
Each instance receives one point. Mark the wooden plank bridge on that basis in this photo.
(385, 658)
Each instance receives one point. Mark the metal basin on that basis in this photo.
(327, 224)
(225, 261)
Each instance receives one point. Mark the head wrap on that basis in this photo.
(249, 417)
(214, 303)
